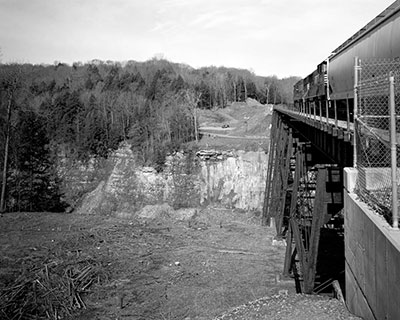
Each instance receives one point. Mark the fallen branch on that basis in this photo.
(53, 291)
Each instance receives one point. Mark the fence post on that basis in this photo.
(320, 111)
(347, 115)
(336, 118)
(355, 111)
(315, 112)
(393, 146)
(327, 112)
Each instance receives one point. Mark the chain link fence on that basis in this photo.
(373, 127)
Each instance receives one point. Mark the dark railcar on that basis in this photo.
(378, 39)
(332, 84)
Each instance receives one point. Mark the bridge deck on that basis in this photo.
(318, 120)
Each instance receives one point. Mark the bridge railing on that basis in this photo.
(377, 131)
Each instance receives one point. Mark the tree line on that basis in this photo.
(83, 111)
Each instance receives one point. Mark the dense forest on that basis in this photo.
(85, 110)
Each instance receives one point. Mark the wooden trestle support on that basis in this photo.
(300, 198)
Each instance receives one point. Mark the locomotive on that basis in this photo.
(329, 90)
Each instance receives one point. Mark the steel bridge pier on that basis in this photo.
(304, 191)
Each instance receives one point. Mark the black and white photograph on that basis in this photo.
(199, 159)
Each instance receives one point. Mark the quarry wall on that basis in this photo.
(234, 179)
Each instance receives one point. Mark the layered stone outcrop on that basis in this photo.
(235, 179)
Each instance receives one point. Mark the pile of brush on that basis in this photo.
(53, 290)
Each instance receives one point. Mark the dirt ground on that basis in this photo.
(221, 264)
(240, 126)
(150, 269)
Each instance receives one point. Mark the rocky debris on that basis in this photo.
(160, 211)
(281, 243)
(156, 211)
(213, 155)
(92, 200)
(125, 211)
(284, 306)
(185, 214)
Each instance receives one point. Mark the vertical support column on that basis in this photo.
(293, 219)
(355, 110)
(277, 174)
(348, 114)
(318, 217)
(320, 111)
(309, 107)
(315, 113)
(285, 170)
(278, 191)
(288, 253)
(393, 152)
(294, 230)
(271, 162)
(327, 111)
(336, 118)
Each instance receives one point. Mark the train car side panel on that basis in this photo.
(383, 41)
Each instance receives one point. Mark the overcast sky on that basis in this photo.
(281, 37)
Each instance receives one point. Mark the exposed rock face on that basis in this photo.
(93, 200)
(235, 179)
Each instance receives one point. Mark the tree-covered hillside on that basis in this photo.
(85, 110)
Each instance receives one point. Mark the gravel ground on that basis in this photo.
(290, 306)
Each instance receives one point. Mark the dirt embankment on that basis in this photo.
(240, 126)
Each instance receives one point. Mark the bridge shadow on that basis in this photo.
(330, 262)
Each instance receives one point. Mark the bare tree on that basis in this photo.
(192, 99)
(9, 85)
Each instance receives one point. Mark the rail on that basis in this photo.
(341, 128)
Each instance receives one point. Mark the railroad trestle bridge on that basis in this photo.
(331, 193)
(332, 189)
(304, 191)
